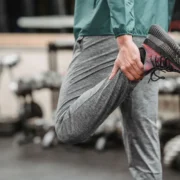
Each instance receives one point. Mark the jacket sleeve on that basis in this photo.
(122, 16)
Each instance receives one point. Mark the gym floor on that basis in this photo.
(31, 162)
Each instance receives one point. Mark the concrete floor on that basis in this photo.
(30, 162)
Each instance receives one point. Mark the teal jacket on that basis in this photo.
(119, 17)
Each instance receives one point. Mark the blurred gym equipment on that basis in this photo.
(29, 120)
(31, 115)
(8, 125)
(172, 153)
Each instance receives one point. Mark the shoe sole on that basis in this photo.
(162, 43)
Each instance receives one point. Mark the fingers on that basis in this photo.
(136, 72)
(114, 71)
(139, 64)
(135, 67)
(130, 69)
(127, 73)
(129, 61)
(131, 73)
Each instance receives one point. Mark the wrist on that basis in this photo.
(124, 39)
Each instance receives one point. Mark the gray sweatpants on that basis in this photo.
(87, 97)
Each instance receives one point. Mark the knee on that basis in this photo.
(67, 135)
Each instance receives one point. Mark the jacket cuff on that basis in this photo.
(122, 31)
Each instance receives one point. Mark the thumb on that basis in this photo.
(114, 72)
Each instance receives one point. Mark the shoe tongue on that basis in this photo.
(143, 54)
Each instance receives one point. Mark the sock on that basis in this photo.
(143, 54)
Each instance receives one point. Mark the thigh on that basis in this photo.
(93, 59)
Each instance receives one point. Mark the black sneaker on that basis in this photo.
(161, 53)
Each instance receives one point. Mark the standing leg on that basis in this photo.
(141, 137)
